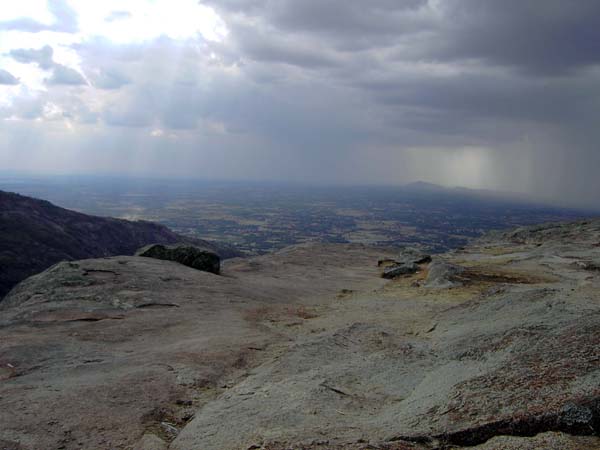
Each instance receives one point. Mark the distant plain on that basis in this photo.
(258, 218)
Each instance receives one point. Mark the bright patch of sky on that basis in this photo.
(140, 20)
(134, 21)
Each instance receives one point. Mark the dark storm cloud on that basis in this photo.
(519, 77)
(357, 91)
(514, 60)
(500, 96)
(549, 37)
(265, 47)
(350, 18)
(65, 20)
(7, 78)
(346, 17)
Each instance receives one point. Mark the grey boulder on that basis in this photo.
(399, 270)
(406, 263)
(407, 255)
(443, 275)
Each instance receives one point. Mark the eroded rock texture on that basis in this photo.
(310, 348)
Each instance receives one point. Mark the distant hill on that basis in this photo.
(35, 234)
(423, 187)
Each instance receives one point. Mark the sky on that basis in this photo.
(478, 93)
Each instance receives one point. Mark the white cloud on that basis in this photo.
(138, 21)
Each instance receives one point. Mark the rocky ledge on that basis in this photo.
(496, 346)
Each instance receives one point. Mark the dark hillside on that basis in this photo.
(35, 234)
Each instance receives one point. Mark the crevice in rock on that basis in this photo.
(577, 419)
(93, 319)
(158, 305)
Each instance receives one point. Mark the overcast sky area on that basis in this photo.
(477, 93)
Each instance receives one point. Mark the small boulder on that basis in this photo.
(187, 255)
(580, 418)
(413, 255)
(386, 262)
(399, 270)
(407, 255)
(406, 263)
(443, 275)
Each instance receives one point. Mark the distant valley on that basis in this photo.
(260, 218)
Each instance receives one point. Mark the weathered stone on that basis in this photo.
(150, 442)
(386, 262)
(187, 255)
(407, 255)
(415, 255)
(579, 418)
(399, 270)
(443, 275)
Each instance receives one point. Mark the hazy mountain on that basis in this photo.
(34, 234)
(461, 192)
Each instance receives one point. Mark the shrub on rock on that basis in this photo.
(187, 255)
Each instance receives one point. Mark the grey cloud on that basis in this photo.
(273, 48)
(130, 110)
(110, 80)
(542, 37)
(42, 57)
(549, 37)
(23, 24)
(65, 76)
(327, 26)
(493, 96)
(25, 107)
(490, 39)
(33, 105)
(65, 20)
(8, 78)
(61, 75)
(347, 17)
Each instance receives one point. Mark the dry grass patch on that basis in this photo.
(278, 313)
(501, 250)
(494, 275)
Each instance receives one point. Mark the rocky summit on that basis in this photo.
(494, 346)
